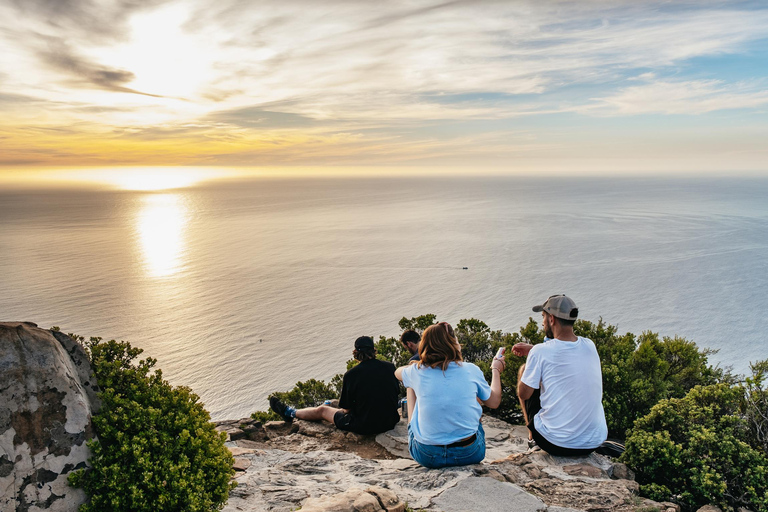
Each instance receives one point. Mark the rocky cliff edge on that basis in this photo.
(313, 466)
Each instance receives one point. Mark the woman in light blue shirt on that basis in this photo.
(445, 398)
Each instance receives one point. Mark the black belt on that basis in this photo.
(463, 442)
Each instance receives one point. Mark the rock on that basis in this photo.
(245, 428)
(241, 464)
(483, 494)
(352, 500)
(46, 402)
(620, 471)
(280, 428)
(594, 495)
(233, 433)
(396, 440)
(584, 470)
(668, 506)
(366, 503)
(709, 508)
(373, 499)
(236, 450)
(324, 464)
(387, 499)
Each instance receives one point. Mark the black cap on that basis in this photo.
(364, 342)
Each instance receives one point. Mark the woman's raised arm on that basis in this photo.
(497, 366)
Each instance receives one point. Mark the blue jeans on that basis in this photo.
(432, 456)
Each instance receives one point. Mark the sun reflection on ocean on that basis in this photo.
(161, 224)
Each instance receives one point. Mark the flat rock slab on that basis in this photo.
(280, 481)
(317, 465)
(482, 494)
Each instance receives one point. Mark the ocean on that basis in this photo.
(244, 288)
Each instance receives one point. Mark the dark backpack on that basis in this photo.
(610, 449)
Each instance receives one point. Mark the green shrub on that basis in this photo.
(755, 406)
(695, 450)
(640, 371)
(157, 450)
(304, 394)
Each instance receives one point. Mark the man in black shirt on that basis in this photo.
(369, 394)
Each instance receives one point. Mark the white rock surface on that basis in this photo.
(47, 397)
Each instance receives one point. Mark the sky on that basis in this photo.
(603, 86)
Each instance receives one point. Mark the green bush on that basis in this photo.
(695, 450)
(304, 394)
(640, 371)
(755, 407)
(157, 450)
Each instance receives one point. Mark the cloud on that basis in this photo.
(94, 21)
(256, 117)
(302, 74)
(681, 97)
(60, 57)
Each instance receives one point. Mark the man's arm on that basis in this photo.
(521, 349)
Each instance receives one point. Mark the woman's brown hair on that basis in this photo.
(439, 346)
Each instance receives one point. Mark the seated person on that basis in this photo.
(410, 340)
(369, 396)
(444, 401)
(560, 388)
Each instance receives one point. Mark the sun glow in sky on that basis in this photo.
(521, 86)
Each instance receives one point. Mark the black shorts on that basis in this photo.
(532, 406)
(344, 421)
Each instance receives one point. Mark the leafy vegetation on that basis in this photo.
(640, 371)
(304, 394)
(696, 450)
(157, 449)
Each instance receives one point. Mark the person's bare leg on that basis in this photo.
(410, 395)
(322, 412)
(522, 402)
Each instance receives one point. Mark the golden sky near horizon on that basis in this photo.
(515, 86)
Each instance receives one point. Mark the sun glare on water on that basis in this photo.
(160, 225)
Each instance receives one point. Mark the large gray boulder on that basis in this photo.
(47, 398)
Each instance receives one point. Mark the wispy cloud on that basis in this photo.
(683, 97)
(343, 80)
(60, 57)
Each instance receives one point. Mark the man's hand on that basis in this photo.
(521, 349)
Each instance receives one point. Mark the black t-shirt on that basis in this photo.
(370, 392)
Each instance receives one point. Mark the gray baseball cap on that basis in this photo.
(559, 306)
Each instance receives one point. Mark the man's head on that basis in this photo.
(364, 348)
(410, 340)
(557, 309)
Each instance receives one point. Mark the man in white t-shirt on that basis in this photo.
(560, 387)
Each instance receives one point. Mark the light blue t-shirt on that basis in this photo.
(446, 402)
